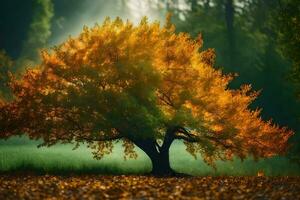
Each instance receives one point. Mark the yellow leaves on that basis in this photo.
(260, 173)
(168, 23)
(51, 61)
(191, 148)
(102, 148)
(199, 40)
(208, 57)
(129, 151)
(229, 154)
(147, 187)
(217, 128)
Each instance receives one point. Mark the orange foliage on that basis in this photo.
(117, 80)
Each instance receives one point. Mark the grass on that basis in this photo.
(22, 155)
(61, 159)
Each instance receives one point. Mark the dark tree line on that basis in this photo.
(257, 39)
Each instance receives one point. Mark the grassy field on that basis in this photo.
(20, 154)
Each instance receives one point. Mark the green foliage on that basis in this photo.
(257, 57)
(5, 68)
(288, 24)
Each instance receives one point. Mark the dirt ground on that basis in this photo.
(147, 187)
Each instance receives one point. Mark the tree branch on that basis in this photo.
(99, 139)
(187, 136)
(166, 99)
(94, 138)
(158, 146)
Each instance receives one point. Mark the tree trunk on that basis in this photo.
(159, 156)
(194, 5)
(159, 159)
(161, 165)
(229, 16)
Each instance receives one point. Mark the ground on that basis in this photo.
(24, 186)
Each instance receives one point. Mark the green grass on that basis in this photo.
(16, 155)
(22, 155)
(276, 166)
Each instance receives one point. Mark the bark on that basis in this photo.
(167, 5)
(159, 155)
(159, 159)
(161, 165)
(194, 5)
(229, 16)
(207, 5)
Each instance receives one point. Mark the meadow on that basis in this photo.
(22, 155)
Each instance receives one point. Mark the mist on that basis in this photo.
(87, 13)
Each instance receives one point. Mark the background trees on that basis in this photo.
(288, 24)
(5, 68)
(257, 40)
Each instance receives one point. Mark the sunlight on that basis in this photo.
(96, 11)
(140, 8)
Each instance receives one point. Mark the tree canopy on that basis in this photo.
(139, 84)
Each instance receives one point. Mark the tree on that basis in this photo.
(5, 68)
(141, 85)
(229, 16)
(215, 20)
(288, 25)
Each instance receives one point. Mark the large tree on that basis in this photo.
(141, 85)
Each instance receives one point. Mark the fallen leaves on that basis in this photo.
(147, 187)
